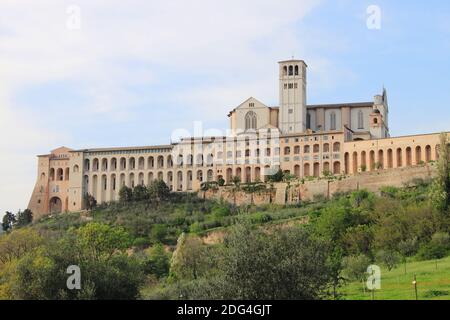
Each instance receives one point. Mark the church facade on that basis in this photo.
(303, 140)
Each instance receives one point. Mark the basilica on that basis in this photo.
(304, 140)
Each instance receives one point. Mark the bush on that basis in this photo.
(388, 258)
(437, 248)
(220, 212)
(141, 242)
(355, 267)
(158, 232)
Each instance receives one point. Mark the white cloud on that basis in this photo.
(214, 38)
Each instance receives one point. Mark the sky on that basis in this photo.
(99, 73)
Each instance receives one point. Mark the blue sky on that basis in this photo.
(137, 70)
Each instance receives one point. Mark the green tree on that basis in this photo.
(24, 218)
(158, 262)
(90, 201)
(287, 264)
(276, 177)
(408, 248)
(17, 243)
(99, 242)
(388, 258)
(140, 193)
(355, 267)
(158, 232)
(188, 260)
(221, 181)
(440, 191)
(437, 248)
(125, 194)
(9, 219)
(158, 191)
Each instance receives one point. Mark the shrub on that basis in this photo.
(158, 232)
(388, 258)
(437, 248)
(141, 242)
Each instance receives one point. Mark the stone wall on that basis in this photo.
(296, 191)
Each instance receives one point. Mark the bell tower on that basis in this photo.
(292, 115)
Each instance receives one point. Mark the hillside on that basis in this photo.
(166, 245)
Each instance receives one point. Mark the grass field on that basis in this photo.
(432, 283)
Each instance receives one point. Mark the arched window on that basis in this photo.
(250, 121)
(296, 70)
(291, 70)
(285, 71)
(360, 120)
(333, 121)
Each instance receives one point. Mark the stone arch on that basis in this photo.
(428, 153)
(76, 168)
(189, 180)
(316, 169)
(239, 173)
(418, 155)
(131, 182)
(363, 161)
(210, 175)
(306, 170)
(160, 162)
(257, 174)
(59, 174)
(113, 187)
(199, 159)
(122, 180)
(408, 157)
(150, 162)
(94, 186)
(141, 163)
(316, 148)
(104, 187)
(52, 174)
(336, 167)
(179, 180)
(170, 180)
(399, 158)
(287, 151)
(150, 178)
(347, 163)
(390, 159)
(123, 164)
(87, 164)
(229, 175)
(372, 160)
(113, 165)
(355, 162)
(55, 205)
(200, 175)
(336, 147)
(381, 159)
(169, 161)
(132, 163)
(326, 167)
(95, 164)
(297, 171)
(141, 179)
(104, 164)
